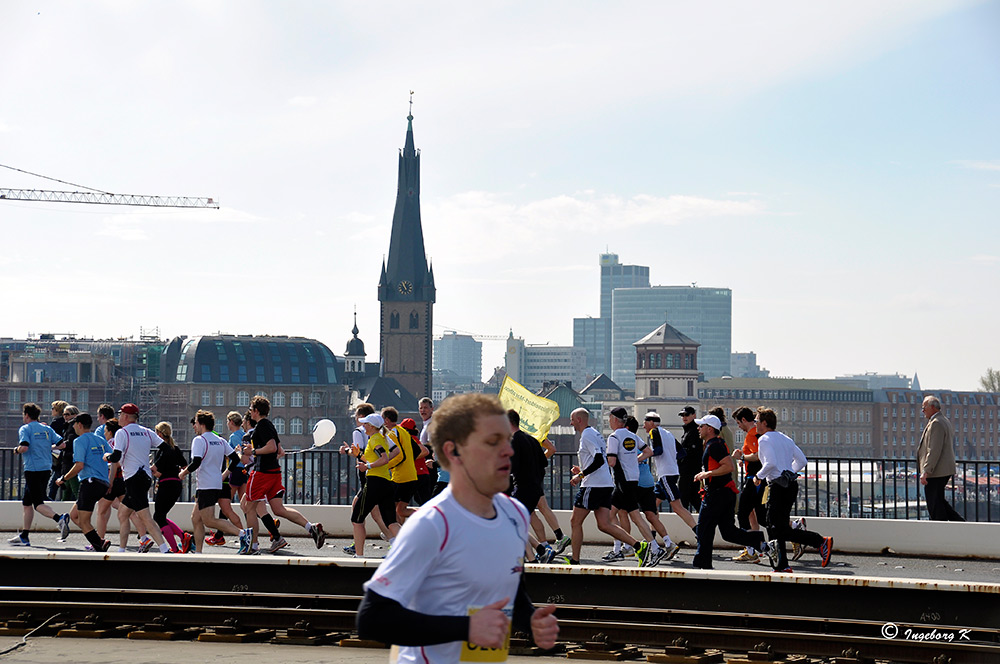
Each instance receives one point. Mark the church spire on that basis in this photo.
(406, 276)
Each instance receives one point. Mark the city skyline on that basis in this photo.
(835, 165)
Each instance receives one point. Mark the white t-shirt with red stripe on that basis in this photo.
(446, 560)
(135, 443)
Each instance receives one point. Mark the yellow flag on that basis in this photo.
(537, 413)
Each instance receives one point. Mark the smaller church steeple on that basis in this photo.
(354, 355)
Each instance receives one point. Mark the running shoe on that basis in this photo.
(64, 527)
(318, 535)
(627, 550)
(657, 557)
(246, 537)
(349, 550)
(797, 551)
(771, 549)
(277, 544)
(255, 550)
(612, 556)
(825, 550)
(88, 548)
(644, 552)
(105, 545)
(747, 557)
(18, 540)
(560, 544)
(187, 543)
(546, 557)
(671, 551)
(145, 544)
(799, 524)
(787, 570)
(563, 560)
(215, 539)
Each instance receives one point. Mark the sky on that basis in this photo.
(836, 164)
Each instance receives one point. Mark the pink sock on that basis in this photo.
(175, 529)
(168, 535)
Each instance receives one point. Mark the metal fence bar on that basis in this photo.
(866, 488)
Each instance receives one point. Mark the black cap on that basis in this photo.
(83, 418)
(619, 412)
(688, 410)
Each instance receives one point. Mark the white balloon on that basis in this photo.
(323, 432)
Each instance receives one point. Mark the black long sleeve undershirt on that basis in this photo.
(193, 466)
(594, 465)
(115, 457)
(386, 620)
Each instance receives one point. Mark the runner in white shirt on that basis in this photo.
(130, 450)
(451, 586)
(594, 476)
(667, 470)
(623, 449)
(208, 451)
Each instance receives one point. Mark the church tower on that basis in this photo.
(406, 289)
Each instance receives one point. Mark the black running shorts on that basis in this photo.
(646, 498)
(593, 498)
(35, 484)
(624, 496)
(377, 492)
(405, 491)
(666, 488)
(91, 491)
(209, 497)
(137, 492)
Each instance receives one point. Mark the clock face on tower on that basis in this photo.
(405, 287)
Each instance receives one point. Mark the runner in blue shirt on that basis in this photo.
(35, 441)
(94, 473)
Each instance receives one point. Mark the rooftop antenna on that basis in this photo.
(410, 117)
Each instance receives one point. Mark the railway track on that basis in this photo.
(609, 631)
(603, 611)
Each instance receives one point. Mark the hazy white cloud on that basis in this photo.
(978, 165)
(985, 258)
(303, 101)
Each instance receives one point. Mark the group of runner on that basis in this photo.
(116, 463)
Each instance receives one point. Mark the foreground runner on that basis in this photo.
(451, 587)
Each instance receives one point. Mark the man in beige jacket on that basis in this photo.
(936, 460)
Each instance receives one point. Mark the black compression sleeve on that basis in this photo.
(386, 620)
(523, 609)
(234, 462)
(193, 466)
(595, 464)
(115, 457)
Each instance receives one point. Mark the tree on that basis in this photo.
(990, 381)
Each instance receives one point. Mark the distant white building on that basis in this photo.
(533, 365)
(744, 365)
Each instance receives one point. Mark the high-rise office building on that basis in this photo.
(594, 334)
(704, 314)
(460, 354)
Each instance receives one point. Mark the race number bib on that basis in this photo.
(474, 653)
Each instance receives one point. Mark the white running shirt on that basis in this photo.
(135, 442)
(446, 560)
(592, 444)
(666, 463)
(213, 451)
(626, 445)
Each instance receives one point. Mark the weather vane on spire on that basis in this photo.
(411, 105)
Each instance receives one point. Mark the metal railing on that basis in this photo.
(859, 488)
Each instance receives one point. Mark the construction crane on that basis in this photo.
(98, 197)
(105, 198)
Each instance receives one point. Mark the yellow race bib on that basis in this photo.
(473, 653)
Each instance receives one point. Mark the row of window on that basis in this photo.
(665, 360)
(982, 400)
(44, 398)
(919, 427)
(278, 399)
(784, 395)
(959, 413)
